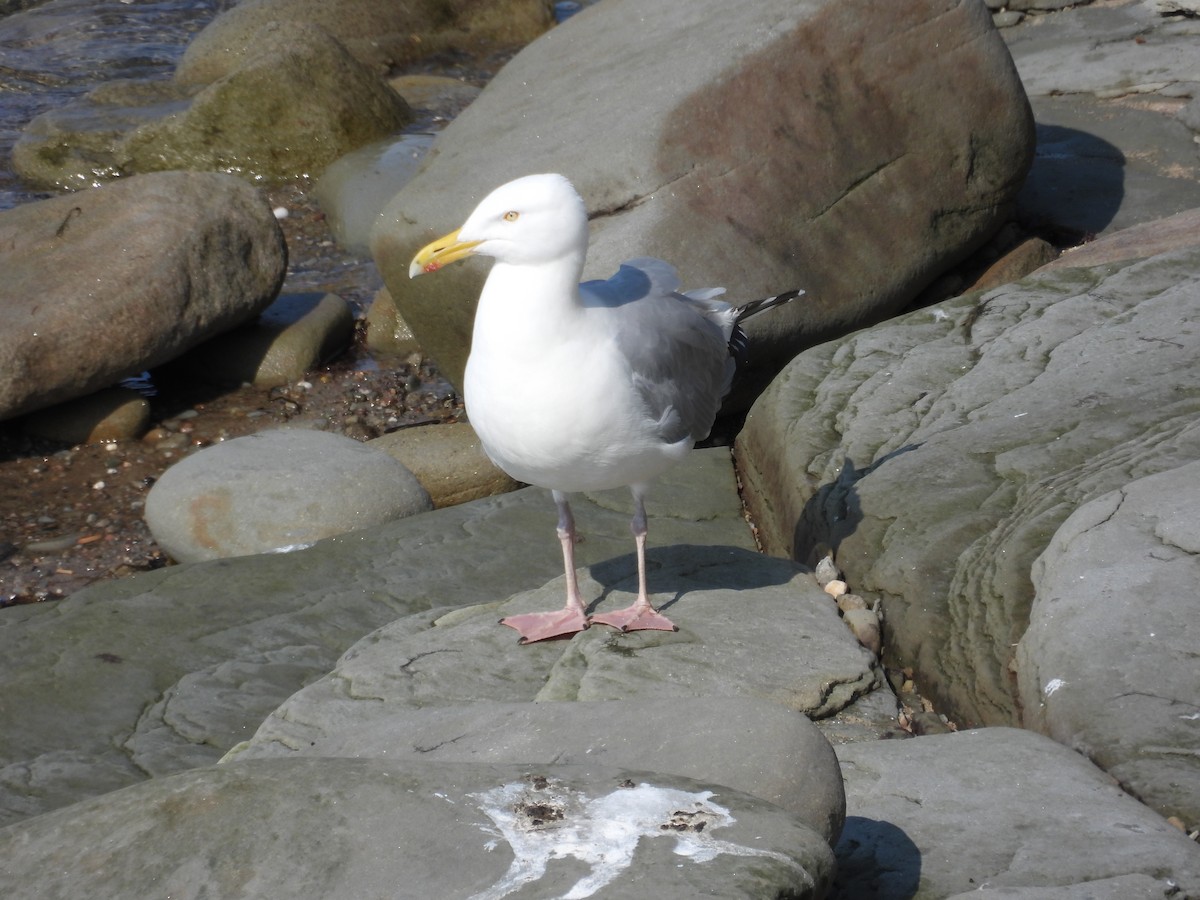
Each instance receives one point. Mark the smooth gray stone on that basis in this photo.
(330, 829)
(167, 670)
(1108, 664)
(939, 452)
(292, 337)
(998, 807)
(276, 491)
(751, 745)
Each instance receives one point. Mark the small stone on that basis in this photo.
(851, 601)
(864, 625)
(836, 588)
(826, 571)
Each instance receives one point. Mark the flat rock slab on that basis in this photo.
(1108, 665)
(320, 828)
(939, 452)
(751, 745)
(168, 670)
(998, 807)
(749, 626)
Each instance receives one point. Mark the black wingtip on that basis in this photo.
(754, 307)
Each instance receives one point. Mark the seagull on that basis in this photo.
(584, 387)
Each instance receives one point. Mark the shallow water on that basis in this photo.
(60, 49)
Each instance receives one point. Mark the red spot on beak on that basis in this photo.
(432, 266)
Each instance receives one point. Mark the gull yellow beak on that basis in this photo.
(441, 252)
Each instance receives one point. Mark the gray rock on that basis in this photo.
(815, 145)
(168, 670)
(449, 462)
(104, 283)
(1108, 663)
(388, 335)
(1104, 82)
(1101, 167)
(276, 490)
(320, 103)
(742, 618)
(291, 338)
(1124, 887)
(951, 814)
(380, 35)
(940, 452)
(354, 189)
(751, 745)
(112, 414)
(1176, 232)
(332, 828)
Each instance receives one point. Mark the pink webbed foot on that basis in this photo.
(638, 617)
(546, 625)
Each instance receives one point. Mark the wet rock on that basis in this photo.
(379, 35)
(355, 188)
(320, 102)
(108, 282)
(939, 452)
(1107, 665)
(276, 491)
(843, 151)
(387, 333)
(372, 828)
(997, 808)
(449, 462)
(113, 414)
(292, 336)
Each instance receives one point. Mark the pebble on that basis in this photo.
(826, 571)
(848, 602)
(836, 588)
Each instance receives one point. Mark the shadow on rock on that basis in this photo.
(834, 512)
(1076, 184)
(875, 859)
(674, 571)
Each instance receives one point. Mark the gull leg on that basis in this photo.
(641, 615)
(572, 617)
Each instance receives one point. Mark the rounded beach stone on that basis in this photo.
(276, 490)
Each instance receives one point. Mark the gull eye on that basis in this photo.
(511, 216)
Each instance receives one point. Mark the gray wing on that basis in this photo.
(676, 345)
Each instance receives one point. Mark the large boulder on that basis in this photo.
(938, 454)
(291, 108)
(852, 150)
(104, 283)
(381, 35)
(1122, 572)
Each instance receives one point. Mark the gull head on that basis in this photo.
(534, 220)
